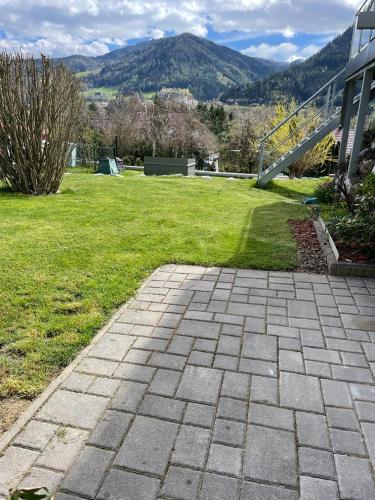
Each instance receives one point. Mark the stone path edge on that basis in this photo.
(27, 415)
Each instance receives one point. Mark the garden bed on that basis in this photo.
(311, 259)
(345, 259)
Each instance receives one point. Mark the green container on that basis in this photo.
(107, 166)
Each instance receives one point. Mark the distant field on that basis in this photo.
(107, 91)
(82, 74)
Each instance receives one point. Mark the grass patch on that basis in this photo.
(68, 260)
(107, 91)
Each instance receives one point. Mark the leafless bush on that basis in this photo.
(40, 105)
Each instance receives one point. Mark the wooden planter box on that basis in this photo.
(154, 165)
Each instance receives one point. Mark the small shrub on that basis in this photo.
(359, 225)
(139, 162)
(326, 192)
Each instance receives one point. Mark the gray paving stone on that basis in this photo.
(258, 367)
(224, 460)
(37, 476)
(128, 396)
(365, 411)
(200, 415)
(312, 430)
(65, 407)
(369, 351)
(283, 331)
(348, 442)
(103, 386)
(236, 385)
(112, 346)
(354, 477)
(352, 374)
(135, 373)
(264, 390)
(111, 430)
(234, 330)
(224, 362)
(369, 435)
(147, 445)
(318, 369)
(257, 491)
(343, 345)
(253, 310)
(229, 345)
(36, 435)
(313, 488)
(270, 456)
(300, 392)
(13, 465)
(316, 463)
(160, 407)
(150, 344)
(191, 446)
(168, 361)
(95, 366)
(63, 448)
(181, 483)
(260, 347)
(78, 382)
(255, 325)
(201, 385)
(271, 416)
(165, 382)
(340, 418)
(312, 338)
(181, 345)
(361, 392)
(336, 394)
(202, 329)
(217, 487)
(201, 358)
(205, 345)
(122, 484)
(290, 344)
(353, 359)
(228, 432)
(291, 361)
(233, 409)
(323, 355)
(146, 318)
(88, 471)
(302, 309)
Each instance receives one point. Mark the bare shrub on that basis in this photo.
(40, 105)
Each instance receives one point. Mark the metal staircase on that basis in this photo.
(305, 127)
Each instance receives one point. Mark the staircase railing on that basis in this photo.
(362, 37)
(298, 125)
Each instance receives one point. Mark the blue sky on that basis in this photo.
(277, 29)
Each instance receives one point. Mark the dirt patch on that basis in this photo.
(310, 255)
(10, 410)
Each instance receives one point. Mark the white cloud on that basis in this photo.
(90, 26)
(284, 51)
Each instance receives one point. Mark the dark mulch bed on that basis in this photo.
(310, 255)
(356, 252)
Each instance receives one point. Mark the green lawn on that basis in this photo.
(68, 260)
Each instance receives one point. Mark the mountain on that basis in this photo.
(184, 61)
(300, 80)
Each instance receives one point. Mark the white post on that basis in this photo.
(361, 119)
(348, 113)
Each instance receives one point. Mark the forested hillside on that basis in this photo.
(184, 61)
(300, 80)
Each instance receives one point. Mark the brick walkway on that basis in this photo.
(215, 384)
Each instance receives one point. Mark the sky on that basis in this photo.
(283, 30)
